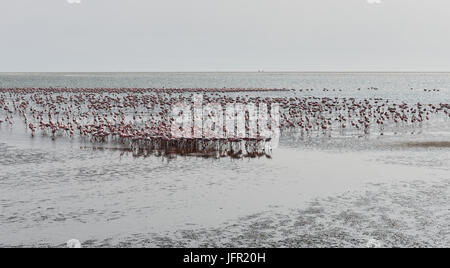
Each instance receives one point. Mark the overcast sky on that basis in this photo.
(224, 35)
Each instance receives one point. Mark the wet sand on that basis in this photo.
(397, 196)
(406, 214)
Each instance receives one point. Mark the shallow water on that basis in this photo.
(314, 191)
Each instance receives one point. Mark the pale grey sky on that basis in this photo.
(224, 35)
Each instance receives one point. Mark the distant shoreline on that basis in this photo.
(238, 72)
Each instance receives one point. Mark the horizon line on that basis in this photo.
(257, 72)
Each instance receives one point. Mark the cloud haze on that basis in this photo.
(219, 35)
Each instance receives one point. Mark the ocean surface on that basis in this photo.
(324, 191)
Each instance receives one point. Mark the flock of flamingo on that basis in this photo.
(140, 119)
